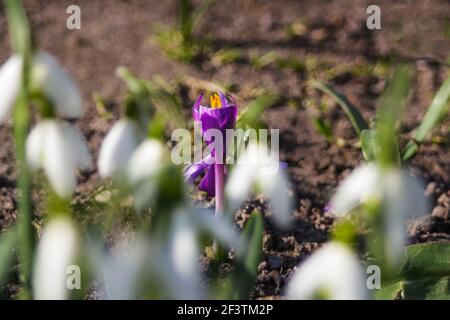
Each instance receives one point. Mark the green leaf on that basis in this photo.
(391, 108)
(358, 122)
(18, 27)
(252, 113)
(390, 292)
(368, 144)
(427, 259)
(427, 289)
(434, 114)
(248, 257)
(7, 244)
(323, 127)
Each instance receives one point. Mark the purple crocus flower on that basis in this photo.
(221, 115)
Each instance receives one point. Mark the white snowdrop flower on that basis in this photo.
(60, 150)
(120, 271)
(257, 167)
(117, 148)
(57, 85)
(182, 267)
(146, 160)
(48, 77)
(57, 250)
(400, 194)
(10, 77)
(332, 272)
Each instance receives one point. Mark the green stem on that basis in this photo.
(21, 119)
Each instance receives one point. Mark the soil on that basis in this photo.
(118, 33)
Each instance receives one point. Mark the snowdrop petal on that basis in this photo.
(146, 160)
(56, 251)
(333, 270)
(34, 146)
(120, 271)
(404, 198)
(217, 225)
(78, 145)
(184, 256)
(10, 77)
(60, 150)
(59, 161)
(57, 85)
(361, 185)
(243, 177)
(117, 148)
(275, 187)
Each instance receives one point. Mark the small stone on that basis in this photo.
(104, 197)
(440, 212)
(431, 187)
(274, 262)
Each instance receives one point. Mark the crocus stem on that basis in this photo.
(219, 172)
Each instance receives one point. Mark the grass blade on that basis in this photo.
(434, 114)
(350, 110)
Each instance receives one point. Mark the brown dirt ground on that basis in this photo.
(118, 33)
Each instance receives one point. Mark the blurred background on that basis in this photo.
(252, 46)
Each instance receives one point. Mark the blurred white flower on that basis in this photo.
(120, 271)
(117, 148)
(56, 251)
(145, 162)
(181, 262)
(400, 194)
(10, 75)
(57, 85)
(257, 167)
(332, 272)
(58, 149)
(48, 77)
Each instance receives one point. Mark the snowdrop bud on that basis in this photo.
(59, 150)
(57, 250)
(184, 279)
(400, 194)
(120, 271)
(362, 185)
(10, 77)
(117, 148)
(57, 85)
(258, 166)
(332, 271)
(146, 160)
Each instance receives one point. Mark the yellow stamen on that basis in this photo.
(215, 101)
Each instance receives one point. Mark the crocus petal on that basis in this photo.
(361, 185)
(333, 270)
(56, 251)
(57, 85)
(146, 160)
(195, 108)
(10, 77)
(208, 182)
(117, 148)
(192, 171)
